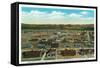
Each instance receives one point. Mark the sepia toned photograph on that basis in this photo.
(56, 34)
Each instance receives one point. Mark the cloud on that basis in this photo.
(75, 15)
(37, 13)
(56, 15)
(44, 15)
(36, 16)
(84, 13)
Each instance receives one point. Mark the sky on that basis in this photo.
(34, 15)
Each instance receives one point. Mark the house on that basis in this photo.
(31, 54)
(67, 52)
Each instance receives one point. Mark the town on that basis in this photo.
(52, 42)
